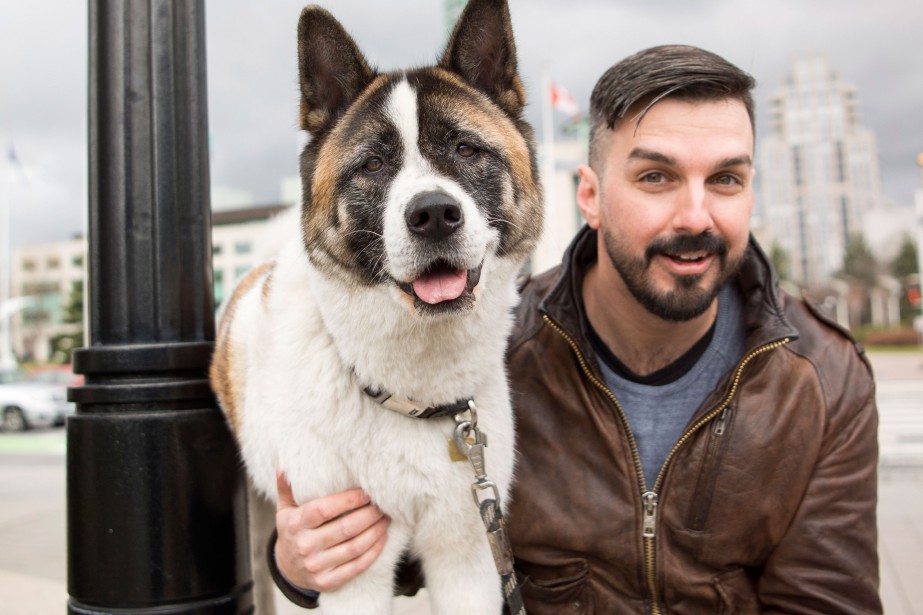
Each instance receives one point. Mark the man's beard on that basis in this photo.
(687, 299)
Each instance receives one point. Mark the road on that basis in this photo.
(900, 429)
(33, 567)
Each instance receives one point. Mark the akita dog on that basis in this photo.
(421, 203)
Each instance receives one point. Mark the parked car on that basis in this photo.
(60, 377)
(26, 403)
(54, 374)
(8, 376)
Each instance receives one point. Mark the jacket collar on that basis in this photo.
(757, 281)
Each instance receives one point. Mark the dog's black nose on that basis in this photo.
(434, 215)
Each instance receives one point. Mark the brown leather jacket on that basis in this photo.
(765, 505)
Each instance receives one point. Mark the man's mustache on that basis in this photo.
(703, 242)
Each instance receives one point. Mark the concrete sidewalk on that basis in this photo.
(33, 558)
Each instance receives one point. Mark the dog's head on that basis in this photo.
(419, 181)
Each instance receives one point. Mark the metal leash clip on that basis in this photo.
(470, 443)
(475, 454)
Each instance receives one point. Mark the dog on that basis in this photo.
(421, 202)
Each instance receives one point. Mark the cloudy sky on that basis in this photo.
(252, 83)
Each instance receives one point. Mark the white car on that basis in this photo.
(24, 405)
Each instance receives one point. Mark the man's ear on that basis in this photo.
(482, 50)
(588, 195)
(331, 69)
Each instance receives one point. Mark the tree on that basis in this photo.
(904, 266)
(859, 263)
(64, 345)
(780, 261)
(905, 263)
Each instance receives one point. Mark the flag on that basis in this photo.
(16, 167)
(563, 101)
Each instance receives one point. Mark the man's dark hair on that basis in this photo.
(680, 72)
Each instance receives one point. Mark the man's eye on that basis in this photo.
(654, 177)
(727, 180)
(373, 164)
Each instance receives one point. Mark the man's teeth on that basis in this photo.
(689, 258)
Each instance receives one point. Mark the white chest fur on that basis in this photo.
(304, 410)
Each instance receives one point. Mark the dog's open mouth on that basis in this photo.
(443, 284)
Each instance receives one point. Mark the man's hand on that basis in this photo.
(328, 541)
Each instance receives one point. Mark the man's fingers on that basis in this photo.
(334, 578)
(342, 529)
(340, 551)
(327, 541)
(285, 498)
(315, 513)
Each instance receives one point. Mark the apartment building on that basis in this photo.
(818, 168)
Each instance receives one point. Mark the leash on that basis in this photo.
(489, 506)
(468, 442)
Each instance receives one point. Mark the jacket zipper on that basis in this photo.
(701, 496)
(650, 499)
(720, 422)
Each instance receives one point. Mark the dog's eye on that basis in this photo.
(465, 151)
(373, 164)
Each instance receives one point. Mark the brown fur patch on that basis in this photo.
(267, 288)
(331, 159)
(330, 162)
(478, 116)
(226, 372)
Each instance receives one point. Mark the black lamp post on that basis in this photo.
(156, 497)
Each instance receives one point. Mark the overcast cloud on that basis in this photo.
(252, 78)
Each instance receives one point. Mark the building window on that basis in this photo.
(243, 247)
(219, 287)
(840, 162)
(28, 265)
(216, 249)
(53, 262)
(844, 213)
(796, 165)
(240, 271)
(77, 261)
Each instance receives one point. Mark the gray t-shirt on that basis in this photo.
(658, 414)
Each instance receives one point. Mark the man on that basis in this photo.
(691, 439)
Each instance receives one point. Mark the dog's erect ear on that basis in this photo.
(481, 50)
(331, 69)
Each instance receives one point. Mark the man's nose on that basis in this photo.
(693, 209)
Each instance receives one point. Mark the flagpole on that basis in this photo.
(7, 360)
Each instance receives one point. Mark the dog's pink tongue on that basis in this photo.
(440, 286)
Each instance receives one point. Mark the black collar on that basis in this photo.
(414, 409)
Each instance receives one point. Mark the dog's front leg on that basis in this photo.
(372, 591)
(460, 572)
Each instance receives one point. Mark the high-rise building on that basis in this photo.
(819, 170)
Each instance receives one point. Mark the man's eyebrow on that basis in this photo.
(735, 161)
(639, 153)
